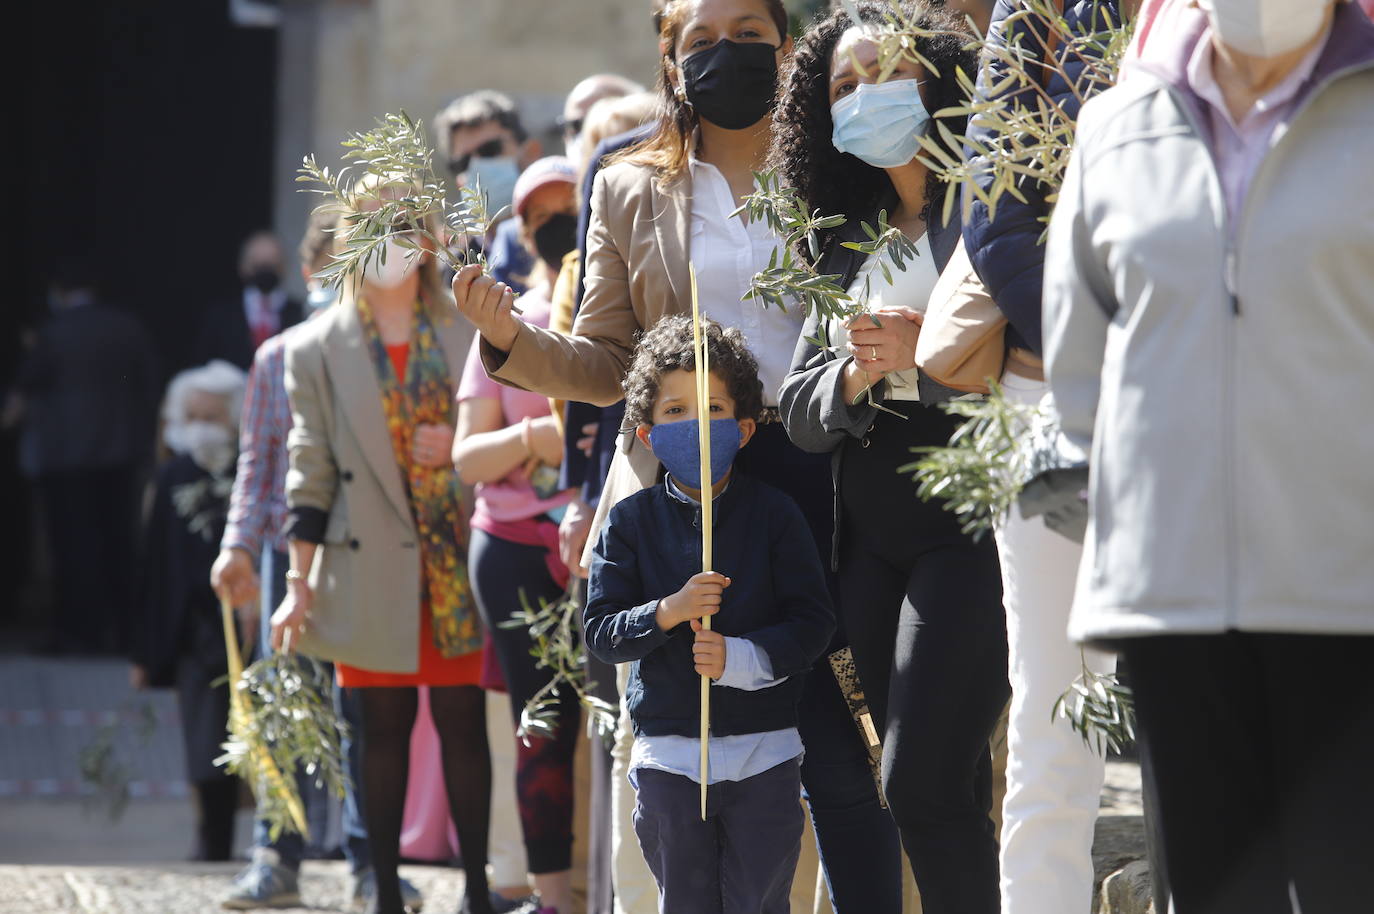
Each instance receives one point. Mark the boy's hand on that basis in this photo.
(708, 651)
(700, 596)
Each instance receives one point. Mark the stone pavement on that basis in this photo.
(186, 888)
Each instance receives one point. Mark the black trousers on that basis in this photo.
(91, 518)
(1261, 747)
(741, 860)
(503, 573)
(922, 605)
(858, 844)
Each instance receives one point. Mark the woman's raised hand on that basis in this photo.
(432, 445)
(489, 304)
(887, 344)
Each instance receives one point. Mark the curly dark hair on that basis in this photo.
(803, 153)
(668, 346)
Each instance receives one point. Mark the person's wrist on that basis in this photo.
(663, 614)
(503, 337)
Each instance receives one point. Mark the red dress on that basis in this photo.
(435, 669)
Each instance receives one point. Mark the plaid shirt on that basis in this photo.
(257, 506)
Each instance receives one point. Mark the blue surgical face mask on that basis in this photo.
(880, 122)
(496, 176)
(320, 298)
(676, 446)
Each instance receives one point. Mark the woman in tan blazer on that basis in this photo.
(377, 541)
(665, 208)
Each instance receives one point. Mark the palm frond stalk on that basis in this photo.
(281, 718)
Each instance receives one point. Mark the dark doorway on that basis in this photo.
(146, 132)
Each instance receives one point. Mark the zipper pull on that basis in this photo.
(1231, 280)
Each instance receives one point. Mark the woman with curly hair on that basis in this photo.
(920, 601)
(666, 210)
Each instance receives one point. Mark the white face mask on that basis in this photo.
(210, 444)
(1265, 28)
(398, 266)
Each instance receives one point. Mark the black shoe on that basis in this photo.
(478, 905)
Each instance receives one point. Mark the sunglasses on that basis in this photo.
(571, 127)
(488, 150)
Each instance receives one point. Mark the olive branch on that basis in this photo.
(789, 277)
(281, 719)
(387, 190)
(558, 647)
(100, 762)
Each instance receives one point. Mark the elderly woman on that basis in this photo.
(180, 641)
(378, 542)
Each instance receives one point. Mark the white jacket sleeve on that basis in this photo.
(1079, 306)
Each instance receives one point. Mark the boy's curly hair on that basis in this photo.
(668, 346)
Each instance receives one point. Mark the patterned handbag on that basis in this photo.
(847, 675)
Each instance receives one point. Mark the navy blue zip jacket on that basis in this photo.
(1007, 252)
(777, 599)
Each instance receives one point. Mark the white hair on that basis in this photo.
(217, 377)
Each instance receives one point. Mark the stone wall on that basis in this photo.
(344, 62)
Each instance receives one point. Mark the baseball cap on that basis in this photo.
(543, 171)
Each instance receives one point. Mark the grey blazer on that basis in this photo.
(811, 400)
(345, 491)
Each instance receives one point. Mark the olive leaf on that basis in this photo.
(1099, 709)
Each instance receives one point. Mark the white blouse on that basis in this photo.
(910, 288)
(727, 252)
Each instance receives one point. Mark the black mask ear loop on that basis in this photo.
(680, 90)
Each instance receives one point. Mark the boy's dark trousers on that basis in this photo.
(741, 860)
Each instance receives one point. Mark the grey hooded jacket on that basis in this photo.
(1223, 380)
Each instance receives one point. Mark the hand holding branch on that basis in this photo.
(708, 651)
(488, 304)
(700, 596)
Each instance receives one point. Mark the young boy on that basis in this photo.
(771, 618)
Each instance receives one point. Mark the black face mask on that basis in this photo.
(264, 279)
(555, 238)
(732, 85)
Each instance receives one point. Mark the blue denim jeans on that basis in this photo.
(290, 846)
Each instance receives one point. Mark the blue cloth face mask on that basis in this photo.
(676, 446)
(496, 176)
(881, 122)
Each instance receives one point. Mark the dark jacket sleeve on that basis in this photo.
(1007, 251)
(577, 468)
(160, 614)
(618, 627)
(811, 400)
(799, 586)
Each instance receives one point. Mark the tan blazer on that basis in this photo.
(366, 575)
(638, 244)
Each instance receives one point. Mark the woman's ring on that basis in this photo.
(873, 353)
